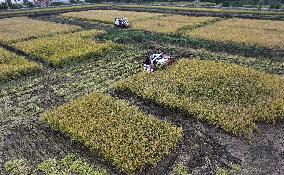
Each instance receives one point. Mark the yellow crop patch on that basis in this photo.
(229, 96)
(171, 24)
(263, 33)
(18, 28)
(63, 48)
(12, 65)
(108, 16)
(120, 133)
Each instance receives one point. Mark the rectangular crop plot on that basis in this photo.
(108, 16)
(229, 96)
(12, 65)
(63, 48)
(171, 24)
(263, 33)
(19, 28)
(120, 133)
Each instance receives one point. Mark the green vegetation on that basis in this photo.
(180, 169)
(12, 65)
(117, 131)
(17, 167)
(70, 164)
(60, 49)
(229, 96)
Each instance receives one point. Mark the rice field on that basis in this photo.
(171, 24)
(217, 110)
(229, 96)
(119, 132)
(267, 34)
(19, 28)
(12, 65)
(64, 48)
(107, 16)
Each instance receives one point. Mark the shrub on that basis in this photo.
(115, 130)
(229, 96)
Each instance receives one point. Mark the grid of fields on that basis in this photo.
(19, 28)
(267, 34)
(86, 92)
(172, 24)
(12, 65)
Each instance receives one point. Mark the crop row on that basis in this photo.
(118, 132)
(265, 33)
(63, 48)
(20, 28)
(12, 65)
(229, 96)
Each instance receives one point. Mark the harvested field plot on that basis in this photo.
(63, 48)
(171, 24)
(229, 96)
(12, 65)
(119, 132)
(107, 16)
(18, 28)
(265, 33)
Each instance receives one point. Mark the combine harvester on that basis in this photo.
(121, 22)
(160, 59)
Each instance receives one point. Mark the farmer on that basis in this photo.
(148, 66)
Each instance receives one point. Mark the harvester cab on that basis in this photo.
(121, 22)
(159, 59)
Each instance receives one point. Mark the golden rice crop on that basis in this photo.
(120, 133)
(171, 24)
(264, 33)
(62, 48)
(17, 28)
(229, 96)
(108, 16)
(12, 65)
(210, 10)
